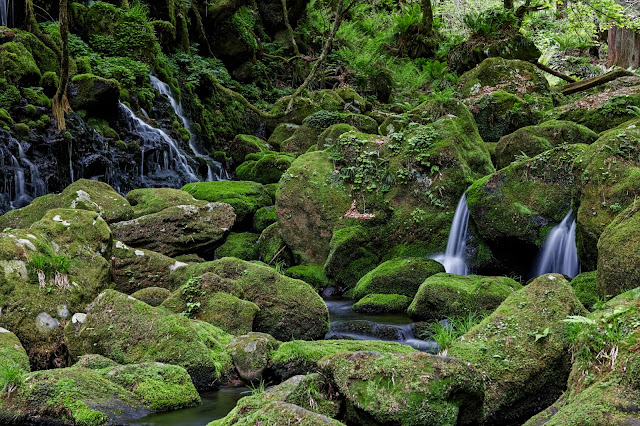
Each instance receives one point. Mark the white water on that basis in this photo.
(453, 259)
(6, 13)
(559, 253)
(164, 89)
(173, 158)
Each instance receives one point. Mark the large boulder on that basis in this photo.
(397, 276)
(533, 140)
(153, 200)
(382, 303)
(129, 331)
(250, 354)
(514, 209)
(98, 95)
(83, 194)
(289, 308)
(178, 230)
(264, 167)
(98, 396)
(447, 295)
(607, 182)
(521, 349)
(386, 389)
(243, 245)
(514, 76)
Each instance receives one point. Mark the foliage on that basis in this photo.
(10, 376)
(447, 331)
(490, 21)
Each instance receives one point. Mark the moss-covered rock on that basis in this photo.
(250, 354)
(302, 108)
(153, 200)
(215, 300)
(178, 230)
(83, 194)
(311, 274)
(351, 255)
(13, 357)
(152, 296)
(518, 205)
(289, 309)
(447, 295)
(245, 197)
(129, 331)
(79, 395)
(331, 134)
(533, 140)
(382, 303)
(242, 246)
(264, 217)
(265, 167)
(607, 179)
(304, 400)
(96, 94)
(514, 76)
(281, 133)
(397, 276)
(385, 389)
(302, 138)
(272, 247)
(521, 349)
(618, 254)
(18, 65)
(584, 287)
(243, 145)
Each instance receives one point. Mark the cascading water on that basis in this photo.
(559, 253)
(6, 13)
(453, 259)
(173, 158)
(20, 178)
(212, 175)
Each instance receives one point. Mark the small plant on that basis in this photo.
(44, 265)
(192, 290)
(453, 328)
(10, 377)
(257, 388)
(632, 109)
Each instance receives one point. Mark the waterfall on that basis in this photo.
(559, 253)
(164, 89)
(174, 158)
(6, 18)
(453, 258)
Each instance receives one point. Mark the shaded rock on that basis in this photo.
(243, 145)
(513, 76)
(153, 200)
(250, 354)
(382, 303)
(272, 247)
(264, 217)
(240, 245)
(152, 296)
(96, 94)
(12, 354)
(265, 167)
(584, 287)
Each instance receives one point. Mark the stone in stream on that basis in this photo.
(382, 303)
(250, 354)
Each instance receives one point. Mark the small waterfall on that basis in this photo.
(164, 89)
(453, 258)
(559, 253)
(6, 13)
(38, 187)
(174, 159)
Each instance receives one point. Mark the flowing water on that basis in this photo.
(559, 253)
(6, 13)
(453, 259)
(20, 179)
(215, 171)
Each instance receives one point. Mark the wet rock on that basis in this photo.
(250, 354)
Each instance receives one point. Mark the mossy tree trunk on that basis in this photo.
(31, 24)
(427, 17)
(60, 102)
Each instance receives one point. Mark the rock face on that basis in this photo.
(446, 295)
(12, 354)
(514, 209)
(618, 254)
(250, 354)
(178, 230)
(128, 331)
(98, 394)
(448, 392)
(289, 308)
(607, 182)
(522, 350)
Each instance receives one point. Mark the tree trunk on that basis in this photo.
(427, 17)
(31, 24)
(624, 48)
(508, 4)
(60, 103)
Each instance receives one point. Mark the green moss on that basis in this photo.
(22, 130)
(281, 133)
(9, 94)
(152, 296)
(6, 122)
(264, 217)
(350, 257)
(45, 58)
(250, 354)
(266, 167)
(311, 274)
(152, 200)
(49, 82)
(600, 116)
(242, 246)
(447, 295)
(242, 145)
(302, 108)
(514, 75)
(381, 303)
(94, 93)
(35, 95)
(302, 139)
(18, 65)
(584, 286)
(397, 276)
(272, 247)
(12, 356)
(102, 126)
(136, 269)
(330, 135)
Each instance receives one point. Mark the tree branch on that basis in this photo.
(556, 73)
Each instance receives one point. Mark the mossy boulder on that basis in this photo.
(300, 357)
(18, 65)
(264, 217)
(311, 274)
(325, 119)
(281, 133)
(447, 295)
(250, 354)
(136, 269)
(331, 134)
(301, 399)
(607, 179)
(584, 287)
(521, 349)
(351, 255)
(129, 331)
(289, 309)
(215, 300)
(245, 197)
(152, 296)
(349, 95)
(48, 272)
(178, 230)
(533, 140)
(385, 389)
(153, 200)
(83, 194)
(243, 145)
(382, 303)
(265, 167)
(397, 276)
(302, 108)
(111, 395)
(618, 255)
(240, 245)
(273, 248)
(301, 140)
(514, 76)
(95, 94)
(13, 357)
(514, 209)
